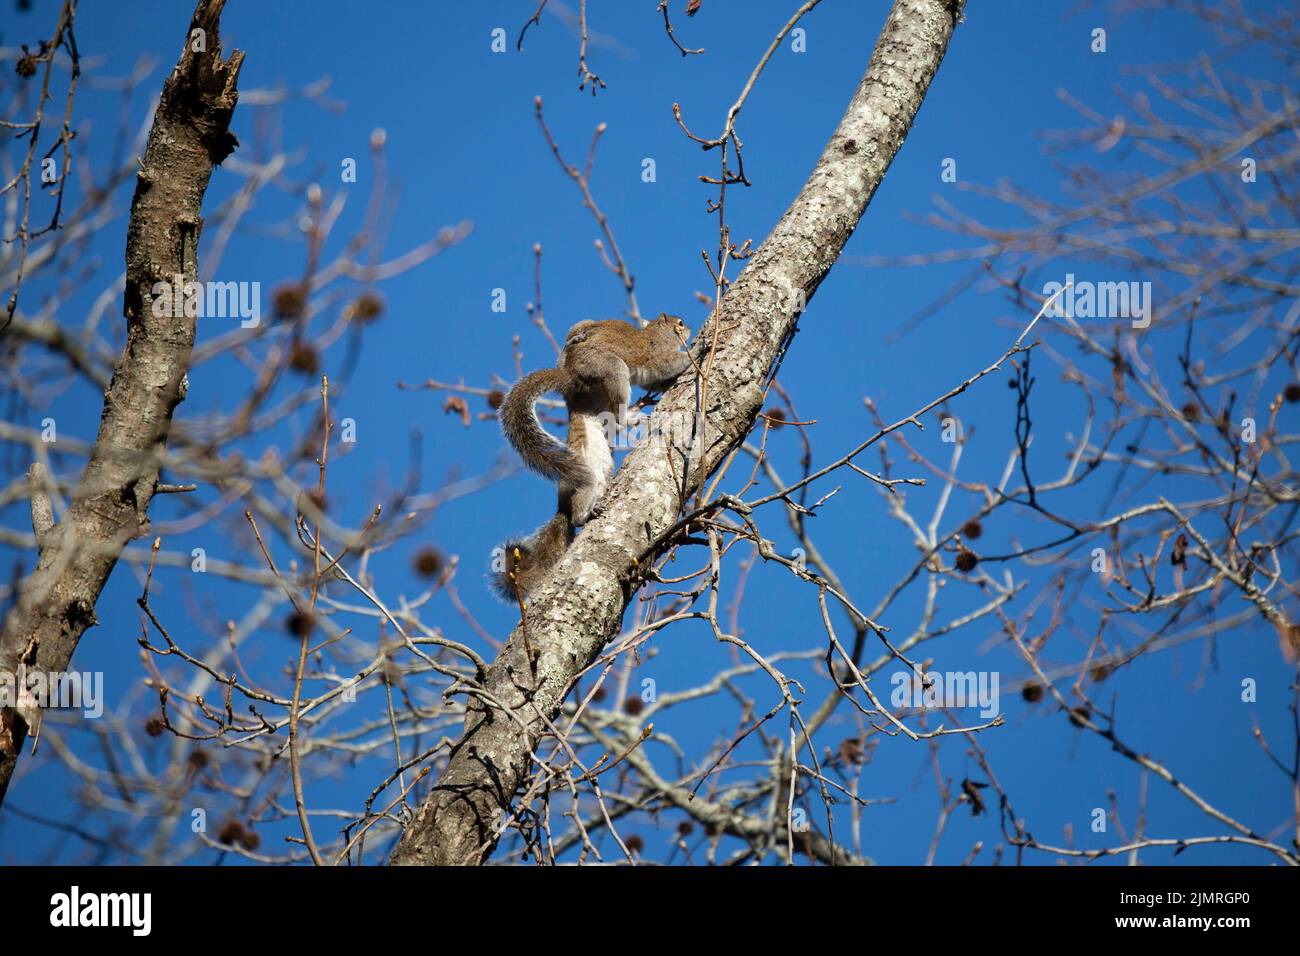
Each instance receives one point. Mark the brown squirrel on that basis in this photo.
(600, 363)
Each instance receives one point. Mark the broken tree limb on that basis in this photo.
(38, 490)
(190, 135)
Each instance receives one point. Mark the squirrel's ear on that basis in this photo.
(662, 316)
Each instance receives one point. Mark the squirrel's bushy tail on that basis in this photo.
(538, 448)
(528, 559)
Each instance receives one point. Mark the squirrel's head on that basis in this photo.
(673, 324)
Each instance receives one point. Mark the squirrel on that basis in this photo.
(598, 366)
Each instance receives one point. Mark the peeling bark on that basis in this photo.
(110, 506)
(572, 616)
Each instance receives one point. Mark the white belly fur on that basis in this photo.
(596, 454)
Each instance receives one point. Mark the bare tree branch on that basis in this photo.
(576, 612)
(190, 135)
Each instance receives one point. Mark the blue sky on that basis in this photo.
(462, 144)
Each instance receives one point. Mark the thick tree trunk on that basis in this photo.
(576, 612)
(110, 506)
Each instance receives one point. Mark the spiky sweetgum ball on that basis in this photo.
(366, 308)
(288, 301)
(428, 562)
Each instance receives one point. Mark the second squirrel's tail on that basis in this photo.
(540, 450)
(527, 560)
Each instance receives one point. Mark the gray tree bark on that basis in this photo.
(572, 616)
(190, 135)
